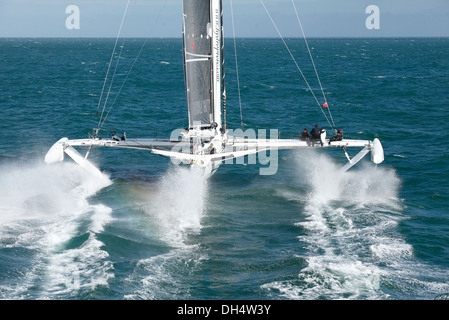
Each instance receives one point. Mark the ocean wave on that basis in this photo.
(345, 218)
(43, 212)
(173, 210)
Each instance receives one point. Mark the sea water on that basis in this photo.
(154, 230)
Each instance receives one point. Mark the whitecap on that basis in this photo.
(43, 209)
(174, 212)
(346, 218)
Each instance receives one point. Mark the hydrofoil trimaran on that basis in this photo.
(206, 142)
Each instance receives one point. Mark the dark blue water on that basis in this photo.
(158, 231)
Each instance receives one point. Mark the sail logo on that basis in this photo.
(373, 20)
(73, 20)
(217, 47)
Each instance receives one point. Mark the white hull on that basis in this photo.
(224, 148)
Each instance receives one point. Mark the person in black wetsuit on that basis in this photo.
(315, 133)
(305, 135)
(337, 137)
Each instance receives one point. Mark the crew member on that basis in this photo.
(305, 135)
(315, 133)
(337, 137)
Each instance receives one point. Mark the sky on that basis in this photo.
(162, 18)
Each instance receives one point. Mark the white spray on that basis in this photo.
(346, 214)
(41, 209)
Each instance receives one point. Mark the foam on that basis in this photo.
(332, 277)
(161, 276)
(350, 231)
(395, 251)
(347, 222)
(101, 217)
(80, 269)
(43, 208)
(174, 212)
(178, 205)
(40, 191)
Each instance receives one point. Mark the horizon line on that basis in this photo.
(240, 37)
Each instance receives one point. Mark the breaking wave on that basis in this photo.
(174, 211)
(46, 217)
(349, 228)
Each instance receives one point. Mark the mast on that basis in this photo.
(202, 62)
(216, 58)
(225, 126)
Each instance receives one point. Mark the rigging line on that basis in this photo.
(112, 81)
(308, 49)
(313, 62)
(130, 69)
(109, 66)
(124, 81)
(294, 60)
(236, 65)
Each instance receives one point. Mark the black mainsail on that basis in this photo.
(202, 69)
